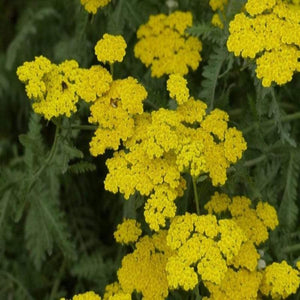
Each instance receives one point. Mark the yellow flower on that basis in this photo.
(92, 5)
(114, 112)
(267, 214)
(128, 232)
(280, 280)
(237, 285)
(217, 4)
(53, 88)
(143, 270)
(110, 48)
(93, 83)
(164, 45)
(218, 203)
(274, 26)
(216, 21)
(86, 296)
(177, 86)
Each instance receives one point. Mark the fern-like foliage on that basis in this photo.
(28, 29)
(94, 268)
(82, 167)
(45, 226)
(207, 32)
(211, 74)
(288, 210)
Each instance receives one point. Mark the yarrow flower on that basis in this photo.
(280, 280)
(85, 296)
(274, 26)
(110, 48)
(164, 45)
(92, 5)
(52, 87)
(114, 112)
(143, 270)
(167, 143)
(254, 222)
(55, 89)
(218, 5)
(128, 232)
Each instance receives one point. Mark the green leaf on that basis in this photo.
(211, 74)
(288, 210)
(82, 167)
(45, 226)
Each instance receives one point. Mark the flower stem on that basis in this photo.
(293, 248)
(84, 127)
(196, 195)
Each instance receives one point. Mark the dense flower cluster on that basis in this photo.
(114, 112)
(164, 45)
(110, 48)
(203, 243)
(220, 253)
(85, 296)
(167, 143)
(143, 270)
(55, 89)
(254, 222)
(128, 232)
(92, 5)
(274, 27)
(280, 280)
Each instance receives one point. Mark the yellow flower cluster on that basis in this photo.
(52, 87)
(165, 144)
(164, 45)
(254, 222)
(143, 270)
(92, 5)
(217, 5)
(114, 291)
(86, 296)
(55, 89)
(280, 280)
(128, 232)
(110, 48)
(220, 253)
(204, 243)
(114, 112)
(274, 27)
(238, 285)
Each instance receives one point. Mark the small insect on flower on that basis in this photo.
(114, 102)
(64, 85)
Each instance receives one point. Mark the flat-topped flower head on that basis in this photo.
(53, 88)
(128, 231)
(111, 48)
(164, 45)
(274, 26)
(92, 5)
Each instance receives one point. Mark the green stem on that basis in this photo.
(252, 162)
(293, 248)
(196, 195)
(111, 67)
(84, 127)
(287, 118)
(57, 281)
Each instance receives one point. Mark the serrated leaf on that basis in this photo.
(211, 74)
(45, 226)
(288, 210)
